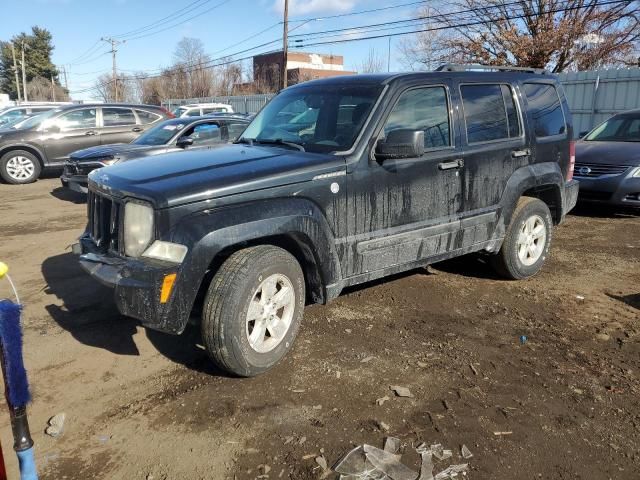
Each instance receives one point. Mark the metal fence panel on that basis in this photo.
(594, 96)
(240, 103)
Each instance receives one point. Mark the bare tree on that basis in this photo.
(191, 57)
(374, 63)
(105, 88)
(555, 34)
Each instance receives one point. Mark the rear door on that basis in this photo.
(494, 147)
(119, 125)
(70, 131)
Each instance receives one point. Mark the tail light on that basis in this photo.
(572, 160)
(167, 113)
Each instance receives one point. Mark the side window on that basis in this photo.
(206, 133)
(147, 117)
(206, 111)
(235, 130)
(193, 112)
(114, 117)
(423, 109)
(84, 118)
(546, 109)
(490, 113)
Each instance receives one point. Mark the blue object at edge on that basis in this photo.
(11, 342)
(27, 465)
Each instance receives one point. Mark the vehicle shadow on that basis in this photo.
(632, 300)
(90, 315)
(595, 210)
(67, 195)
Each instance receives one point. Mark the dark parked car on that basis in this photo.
(168, 136)
(396, 171)
(608, 162)
(46, 140)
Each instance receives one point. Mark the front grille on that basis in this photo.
(104, 217)
(595, 195)
(76, 168)
(595, 170)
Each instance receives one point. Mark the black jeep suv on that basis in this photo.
(395, 172)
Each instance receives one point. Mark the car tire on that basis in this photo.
(526, 243)
(253, 310)
(19, 167)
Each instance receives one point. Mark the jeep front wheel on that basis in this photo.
(19, 166)
(527, 241)
(253, 310)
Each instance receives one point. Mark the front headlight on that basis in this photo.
(636, 173)
(170, 252)
(138, 228)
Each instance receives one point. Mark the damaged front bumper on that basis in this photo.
(137, 285)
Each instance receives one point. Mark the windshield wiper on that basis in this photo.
(248, 141)
(279, 141)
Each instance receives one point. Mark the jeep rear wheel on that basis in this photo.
(527, 241)
(253, 310)
(19, 167)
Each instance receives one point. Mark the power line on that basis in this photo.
(361, 12)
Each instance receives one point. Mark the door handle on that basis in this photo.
(136, 129)
(91, 132)
(459, 163)
(521, 153)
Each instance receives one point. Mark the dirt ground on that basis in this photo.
(144, 405)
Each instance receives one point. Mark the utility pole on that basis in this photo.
(24, 75)
(53, 88)
(285, 49)
(114, 43)
(66, 81)
(389, 57)
(15, 69)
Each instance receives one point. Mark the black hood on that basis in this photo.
(195, 175)
(112, 151)
(608, 153)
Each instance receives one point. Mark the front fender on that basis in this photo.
(209, 232)
(25, 146)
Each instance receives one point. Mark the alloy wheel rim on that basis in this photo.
(20, 167)
(531, 240)
(270, 313)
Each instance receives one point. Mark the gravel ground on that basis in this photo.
(144, 405)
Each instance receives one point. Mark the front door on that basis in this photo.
(495, 147)
(118, 125)
(405, 210)
(72, 130)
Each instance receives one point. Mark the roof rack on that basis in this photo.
(459, 67)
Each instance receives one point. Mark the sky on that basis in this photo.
(223, 26)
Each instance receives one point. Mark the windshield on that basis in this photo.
(179, 111)
(36, 120)
(621, 128)
(160, 134)
(318, 118)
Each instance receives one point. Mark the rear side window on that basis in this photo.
(147, 117)
(193, 113)
(546, 109)
(113, 117)
(424, 109)
(490, 113)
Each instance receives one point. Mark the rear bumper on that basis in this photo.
(137, 284)
(618, 190)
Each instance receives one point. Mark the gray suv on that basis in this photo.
(46, 140)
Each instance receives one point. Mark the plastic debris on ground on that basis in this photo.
(366, 462)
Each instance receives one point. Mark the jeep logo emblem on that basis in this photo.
(584, 171)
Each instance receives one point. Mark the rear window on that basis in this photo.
(113, 117)
(546, 109)
(489, 112)
(147, 117)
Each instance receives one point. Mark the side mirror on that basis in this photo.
(583, 134)
(184, 142)
(401, 143)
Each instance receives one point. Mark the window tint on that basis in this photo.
(424, 109)
(147, 117)
(205, 134)
(545, 108)
(84, 118)
(489, 113)
(113, 117)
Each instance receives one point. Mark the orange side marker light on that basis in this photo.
(167, 287)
